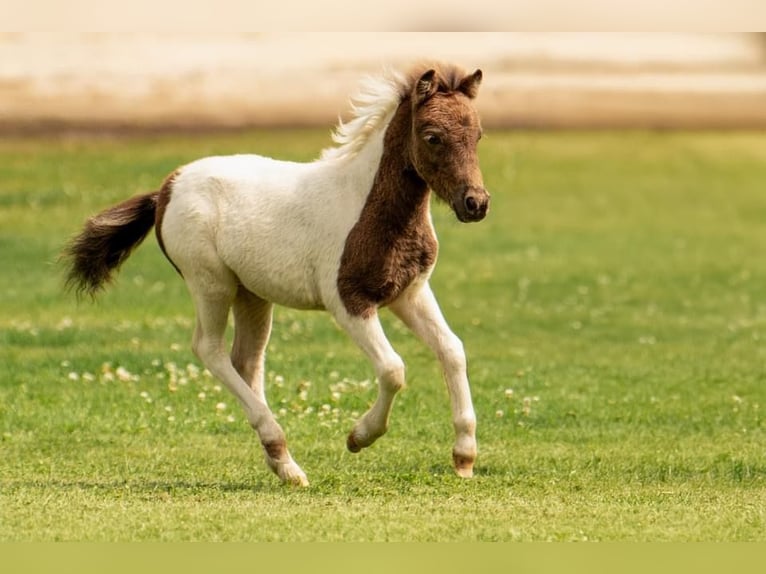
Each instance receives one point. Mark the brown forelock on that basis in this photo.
(393, 242)
(163, 198)
(448, 76)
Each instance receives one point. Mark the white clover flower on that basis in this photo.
(123, 374)
(220, 407)
(527, 406)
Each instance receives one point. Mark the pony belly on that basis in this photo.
(278, 268)
(283, 288)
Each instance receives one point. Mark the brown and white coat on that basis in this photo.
(349, 233)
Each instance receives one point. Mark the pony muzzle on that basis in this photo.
(472, 205)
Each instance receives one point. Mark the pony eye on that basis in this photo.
(433, 139)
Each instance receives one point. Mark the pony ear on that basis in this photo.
(470, 84)
(426, 86)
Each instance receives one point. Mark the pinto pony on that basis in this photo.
(348, 233)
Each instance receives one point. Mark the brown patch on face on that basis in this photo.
(163, 198)
(392, 243)
(446, 131)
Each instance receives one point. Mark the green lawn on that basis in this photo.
(613, 307)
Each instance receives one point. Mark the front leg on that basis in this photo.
(418, 309)
(367, 332)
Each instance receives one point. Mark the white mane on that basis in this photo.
(372, 107)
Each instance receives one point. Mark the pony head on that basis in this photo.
(444, 138)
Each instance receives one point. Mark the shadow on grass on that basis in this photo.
(147, 487)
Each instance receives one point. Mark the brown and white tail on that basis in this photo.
(106, 241)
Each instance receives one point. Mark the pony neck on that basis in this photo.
(398, 194)
(393, 241)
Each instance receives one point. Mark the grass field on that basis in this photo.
(613, 307)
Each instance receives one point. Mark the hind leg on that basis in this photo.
(213, 296)
(252, 329)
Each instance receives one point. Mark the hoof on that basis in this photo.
(463, 465)
(466, 472)
(357, 440)
(284, 466)
(298, 480)
(351, 443)
(291, 474)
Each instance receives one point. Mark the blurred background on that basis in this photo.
(133, 81)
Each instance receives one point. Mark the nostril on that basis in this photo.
(471, 204)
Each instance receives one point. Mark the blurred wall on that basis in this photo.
(571, 80)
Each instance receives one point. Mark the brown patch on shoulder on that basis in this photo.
(393, 242)
(163, 198)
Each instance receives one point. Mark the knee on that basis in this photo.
(465, 424)
(391, 373)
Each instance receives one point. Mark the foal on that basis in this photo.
(349, 233)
